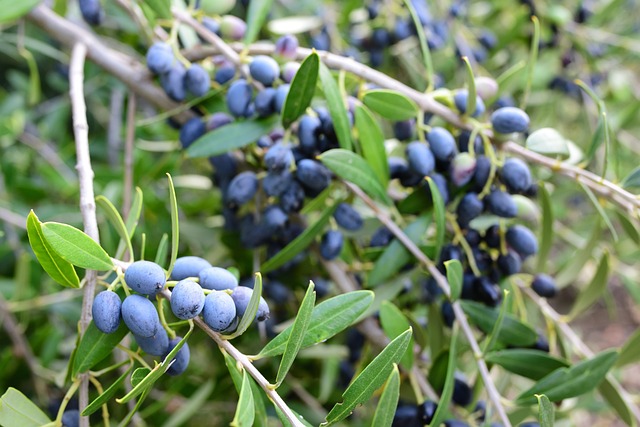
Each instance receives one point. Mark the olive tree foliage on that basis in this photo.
(380, 213)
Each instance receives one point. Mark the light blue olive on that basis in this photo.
(140, 316)
(187, 299)
(145, 277)
(155, 345)
(219, 311)
(217, 278)
(181, 360)
(188, 266)
(106, 311)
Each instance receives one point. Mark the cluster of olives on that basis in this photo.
(222, 306)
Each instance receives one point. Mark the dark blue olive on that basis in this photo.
(442, 144)
(308, 131)
(398, 167)
(224, 74)
(287, 46)
(522, 240)
(381, 237)
(321, 40)
(427, 410)
(263, 312)
(404, 129)
(530, 424)
(501, 204)
(106, 311)
(192, 130)
(505, 101)
(486, 292)
(225, 168)
(406, 416)
(140, 316)
(541, 344)
(91, 11)
(516, 176)
(468, 288)
(181, 359)
(480, 411)
(544, 285)
(264, 141)
(492, 236)
(217, 278)
(482, 258)
(487, 39)
(376, 57)
(173, 82)
(448, 315)
(211, 25)
(277, 292)
(275, 183)
(463, 142)
(509, 263)
(197, 80)
(71, 417)
(460, 99)
(462, 393)
(278, 157)
(292, 197)
(472, 237)
(218, 120)
(188, 266)
(155, 345)
(187, 299)
(482, 172)
(313, 174)
(239, 97)
(462, 169)
(509, 120)
(470, 207)
(403, 29)
(264, 102)
(449, 252)
(264, 69)
(454, 423)
(219, 311)
(145, 277)
(420, 158)
(331, 244)
(242, 188)
(347, 217)
(253, 234)
(281, 95)
(241, 297)
(159, 58)
(380, 38)
(274, 219)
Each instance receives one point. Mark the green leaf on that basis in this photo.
(116, 220)
(529, 363)
(11, 10)
(546, 237)
(614, 398)
(390, 104)
(245, 412)
(296, 337)
(353, 168)
(633, 179)
(258, 394)
(337, 108)
(370, 379)
(231, 137)
(76, 247)
(594, 290)
(138, 375)
(106, 395)
(299, 243)
(327, 319)
(570, 271)
(630, 352)
(175, 225)
(438, 214)
(191, 407)
(471, 87)
(17, 410)
(437, 375)
(549, 142)
(372, 144)
(95, 346)
(395, 256)
(603, 214)
(145, 384)
(126, 421)
(162, 8)
(386, 408)
(454, 277)
(393, 324)
(596, 140)
(546, 414)
(252, 309)
(565, 383)
(163, 247)
(302, 89)
(628, 227)
(447, 391)
(57, 268)
(513, 332)
(132, 221)
(256, 16)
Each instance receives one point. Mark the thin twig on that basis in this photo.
(247, 365)
(492, 391)
(87, 197)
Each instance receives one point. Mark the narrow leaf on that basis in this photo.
(116, 220)
(390, 104)
(633, 179)
(76, 247)
(17, 410)
(628, 227)
(299, 243)
(245, 412)
(594, 290)
(296, 337)
(353, 168)
(546, 237)
(191, 407)
(95, 346)
(163, 247)
(386, 408)
(603, 214)
(252, 309)
(471, 87)
(529, 363)
(327, 319)
(256, 17)
(175, 225)
(106, 395)
(630, 352)
(612, 394)
(11, 10)
(57, 268)
(513, 332)
(447, 391)
(302, 89)
(395, 256)
(231, 137)
(372, 144)
(454, 277)
(337, 108)
(370, 379)
(394, 323)
(546, 414)
(438, 214)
